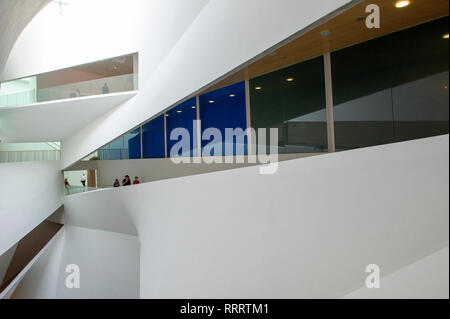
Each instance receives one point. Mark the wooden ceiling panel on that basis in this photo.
(345, 30)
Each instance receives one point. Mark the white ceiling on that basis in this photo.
(14, 16)
(57, 120)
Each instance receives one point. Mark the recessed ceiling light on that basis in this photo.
(179, 111)
(232, 95)
(325, 33)
(290, 79)
(402, 4)
(258, 88)
(211, 101)
(445, 36)
(194, 107)
(115, 68)
(167, 115)
(446, 87)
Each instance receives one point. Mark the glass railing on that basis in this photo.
(115, 84)
(17, 99)
(29, 156)
(114, 154)
(72, 190)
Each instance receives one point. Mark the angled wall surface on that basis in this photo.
(41, 279)
(108, 264)
(424, 279)
(307, 231)
(30, 192)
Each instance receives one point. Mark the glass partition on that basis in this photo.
(29, 152)
(293, 101)
(224, 109)
(103, 77)
(178, 119)
(127, 146)
(390, 89)
(115, 84)
(393, 88)
(153, 138)
(18, 92)
(29, 156)
(420, 93)
(132, 142)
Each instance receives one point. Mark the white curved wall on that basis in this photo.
(14, 16)
(29, 193)
(307, 231)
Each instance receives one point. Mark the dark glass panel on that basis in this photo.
(293, 101)
(392, 88)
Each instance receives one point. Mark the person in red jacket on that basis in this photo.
(136, 180)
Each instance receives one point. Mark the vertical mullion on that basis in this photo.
(199, 133)
(142, 142)
(122, 151)
(165, 136)
(248, 114)
(329, 102)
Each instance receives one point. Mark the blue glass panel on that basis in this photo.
(225, 108)
(116, 149)
(132, 142)
(182, 116)
(103, 153)
(153, 138)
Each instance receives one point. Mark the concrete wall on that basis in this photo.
(308, 231)
(29, 193)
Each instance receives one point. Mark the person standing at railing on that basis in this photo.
(116, 183)
(83, 180)
(67, 186)
(126, 181)
(105, 88)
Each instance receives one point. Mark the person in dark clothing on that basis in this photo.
(105, 88)
(126, 181)
(116, 183)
